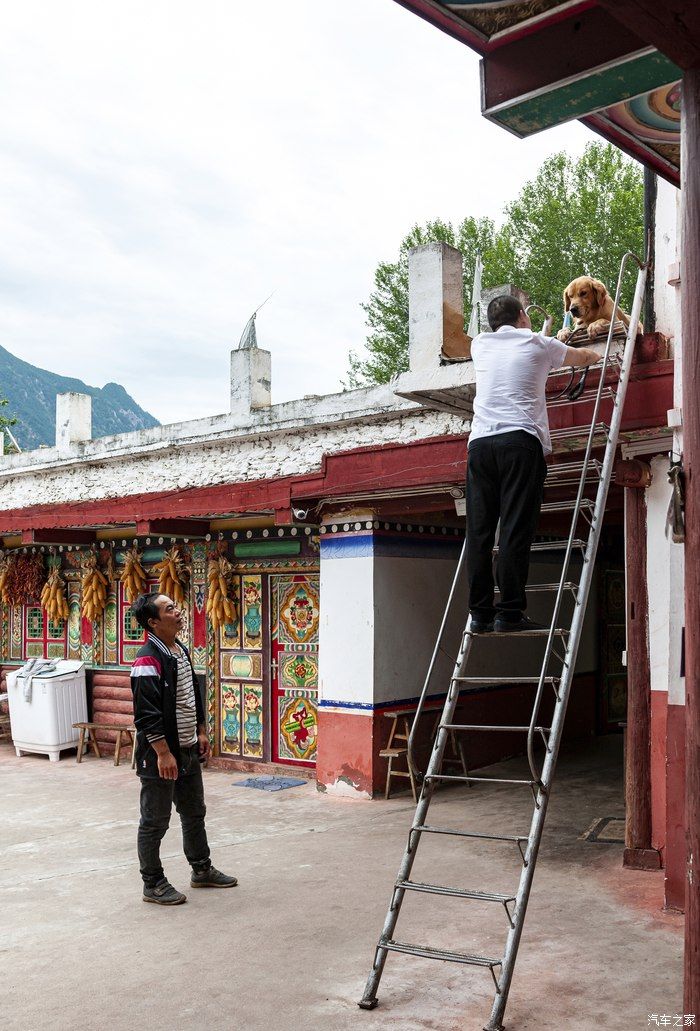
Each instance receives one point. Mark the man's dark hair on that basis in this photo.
(503, 310)
(145, 608)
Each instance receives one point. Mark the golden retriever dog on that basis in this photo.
(591, 305)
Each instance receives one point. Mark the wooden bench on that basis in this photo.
(400, 731)
(90, 728)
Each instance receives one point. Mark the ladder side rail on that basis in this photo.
(496, 1019)
(631, 335)
(426, 684)
(369, 998)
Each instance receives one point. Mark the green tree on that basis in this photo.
(574, 217)
(4, 422)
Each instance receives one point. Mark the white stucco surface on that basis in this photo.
(284, 440)
(346, 630)
(665, 578)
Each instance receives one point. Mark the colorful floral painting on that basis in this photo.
(298, 728)
(230, 719)
(252, 722)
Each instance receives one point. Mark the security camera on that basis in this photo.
(300, 514)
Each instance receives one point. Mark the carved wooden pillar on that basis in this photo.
(635, 476)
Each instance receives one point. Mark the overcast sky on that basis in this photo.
(166, 165)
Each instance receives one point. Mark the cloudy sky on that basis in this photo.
(166, 165)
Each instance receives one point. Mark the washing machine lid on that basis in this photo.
(64, 668)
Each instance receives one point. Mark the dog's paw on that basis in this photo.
(598, 327)
(563, 335)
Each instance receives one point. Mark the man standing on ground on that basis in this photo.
(171, 740)
(506, 467)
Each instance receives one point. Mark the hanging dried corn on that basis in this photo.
(94, 588)
(133, 575)
(53, 597)
(23, 579)
(221, 602)
(4, 570)
(172, 575)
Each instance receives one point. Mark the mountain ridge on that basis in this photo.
(31, 395)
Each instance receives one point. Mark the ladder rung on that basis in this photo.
(567, 506)
(425, 829)
(571, 468)
(560, 631)
(487, 780)
(567, 585)
(481, 726)
(552, 545)
(460, 893)
(534, 588)
(506, 680)
(444, 954)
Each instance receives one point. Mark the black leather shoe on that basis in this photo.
(506, 626)
(481, 626)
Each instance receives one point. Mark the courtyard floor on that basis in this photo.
(291, 946)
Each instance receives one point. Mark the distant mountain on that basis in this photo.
(31, 393)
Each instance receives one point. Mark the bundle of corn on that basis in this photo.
(133, 575)
(172, 575)
(94, 592)
(53, 598)
(23, 579)
(4, 569)
(221, 603)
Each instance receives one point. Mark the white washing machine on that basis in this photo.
(43, 721)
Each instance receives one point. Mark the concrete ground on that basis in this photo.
(292, 945)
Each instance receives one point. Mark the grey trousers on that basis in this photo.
(157, 797)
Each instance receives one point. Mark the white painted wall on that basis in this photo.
(410, 597)
(347, 630)
(666, 297)
(665, 580)
(284, 440)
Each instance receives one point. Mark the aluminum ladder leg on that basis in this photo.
(556, 638)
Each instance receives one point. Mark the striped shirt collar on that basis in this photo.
(159, 644)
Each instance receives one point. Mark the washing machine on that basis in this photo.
(42, 713)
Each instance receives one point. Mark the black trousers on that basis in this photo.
(157, 797)
(505, 479)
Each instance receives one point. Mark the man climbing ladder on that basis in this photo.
(508, 444)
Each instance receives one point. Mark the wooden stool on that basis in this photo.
(400, 731)
(90, 728)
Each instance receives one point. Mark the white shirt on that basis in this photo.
(511, 367)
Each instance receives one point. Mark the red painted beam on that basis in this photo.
(576, 46)
(672, 26)
(172, 527)
(452, 24)
(633, 147)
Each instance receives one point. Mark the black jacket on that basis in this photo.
(154, 687)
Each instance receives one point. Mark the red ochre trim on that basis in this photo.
(675, 853)
(434, 461)
(349, 743)
(450, 23)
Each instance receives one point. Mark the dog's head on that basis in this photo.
(584, 298)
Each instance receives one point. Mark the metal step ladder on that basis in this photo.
(561, 644)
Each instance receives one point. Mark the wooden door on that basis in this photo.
(240, 658)
(294, 667)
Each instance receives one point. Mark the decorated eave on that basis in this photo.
(616, 66)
